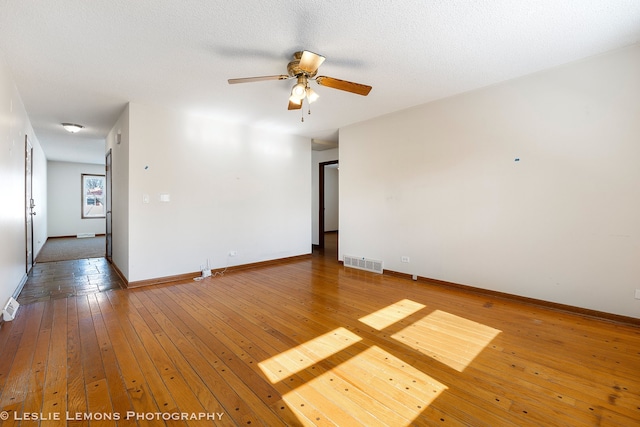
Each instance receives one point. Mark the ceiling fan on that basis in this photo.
(304, 67)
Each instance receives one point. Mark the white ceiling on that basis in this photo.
(82, 61)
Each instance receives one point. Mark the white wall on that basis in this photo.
(14, 125)
(331, 199)
(231, 188)
(318, 157)
(65, 195)
(443, 187)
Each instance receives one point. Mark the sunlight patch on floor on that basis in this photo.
(450, 339)
(367, 385)
(296, 359)
(395, 392)
(391, 314)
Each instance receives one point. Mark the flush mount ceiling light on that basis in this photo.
(72, 127)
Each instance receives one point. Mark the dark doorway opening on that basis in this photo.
(321, 202)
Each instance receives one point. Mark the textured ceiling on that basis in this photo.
(82, 61)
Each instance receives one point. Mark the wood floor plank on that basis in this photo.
(19, 377)
(33, 401)
(76, 393)
(343, 390)
(543, 380)
(175, 379)
(194, 367)
(132, 377)
(55, 386)
(231, 338)
(229, 364)
(119, 401)
(10, 335)
(151, 373)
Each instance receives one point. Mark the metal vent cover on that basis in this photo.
(361, 263)
(9, 312)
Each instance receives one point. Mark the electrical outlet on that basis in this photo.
(637, 293)
(233, 253)
(405, 259)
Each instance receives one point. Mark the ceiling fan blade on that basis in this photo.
(294, 106)
(257, 79)
(309, 62)
(352, 87)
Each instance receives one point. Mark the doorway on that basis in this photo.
(108, 232)
(322, 202)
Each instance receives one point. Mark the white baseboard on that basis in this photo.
(19, 288)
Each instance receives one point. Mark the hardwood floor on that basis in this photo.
(64, 279)
(313, 343)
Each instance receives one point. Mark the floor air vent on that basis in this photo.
(9, 312)
(363, 263)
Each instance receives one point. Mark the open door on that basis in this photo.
(29, 202)
(108, 232)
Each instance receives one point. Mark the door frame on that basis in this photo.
(321, 167)
(108, 217)
(29, 205)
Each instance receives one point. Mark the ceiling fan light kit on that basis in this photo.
(312, 95)
(304, 67)
(295, 100)
(299, 90)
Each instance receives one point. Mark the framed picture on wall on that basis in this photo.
(93, 196)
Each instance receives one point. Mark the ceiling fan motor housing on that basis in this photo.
(294, 70)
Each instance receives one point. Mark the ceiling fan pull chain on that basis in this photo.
(302, 115)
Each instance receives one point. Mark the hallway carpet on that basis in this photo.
(70, 248)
